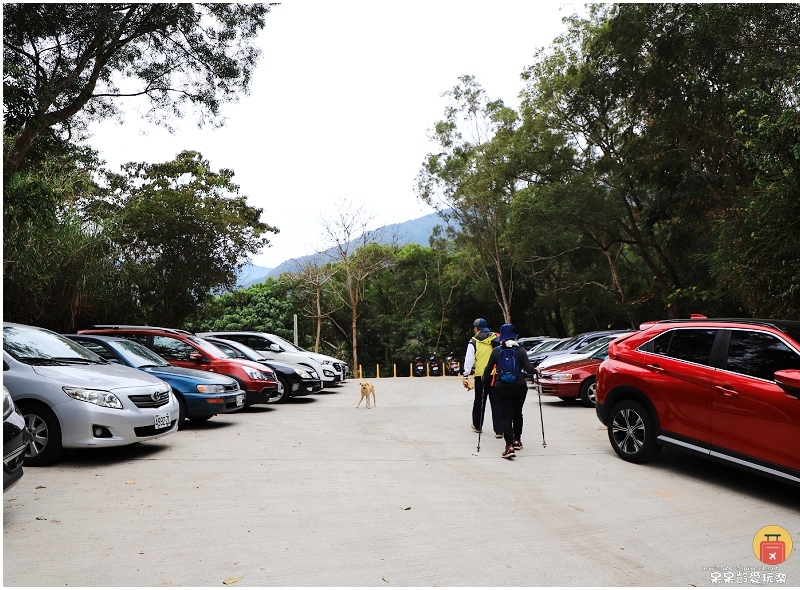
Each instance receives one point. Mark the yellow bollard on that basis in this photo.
(427, 369)
(410, 369)
(360, 372)
(377, 371)
(395, 369)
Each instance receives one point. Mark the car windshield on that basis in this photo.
(286, 344)
(550, 345)
(567, 344)
(598, 345)
(36, 346)
(137, 355)
(602, 352)
(208, 347)
(238, 351)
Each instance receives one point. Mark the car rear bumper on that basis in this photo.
(15, 437)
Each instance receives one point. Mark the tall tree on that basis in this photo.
(65, 64)
(470, 181)
(183, 232)
(358, 254)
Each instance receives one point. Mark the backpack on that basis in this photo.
(507, 365)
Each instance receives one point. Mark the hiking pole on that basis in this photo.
(484, 394)
(539, 391)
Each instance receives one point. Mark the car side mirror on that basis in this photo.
(789, 381)
(275, 348)
(197, 357)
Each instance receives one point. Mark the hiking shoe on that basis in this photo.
(475, 429)
(498, 435)
(517, 445)
(509, 452)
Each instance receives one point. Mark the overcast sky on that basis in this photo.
(341, 104)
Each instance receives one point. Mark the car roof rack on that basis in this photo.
(133, 327)
(782, 325)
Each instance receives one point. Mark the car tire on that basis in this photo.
(587, 392)
(632, 432)
(181, 409)
(45, 446)
(287, 390)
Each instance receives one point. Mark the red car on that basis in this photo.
(184, 349)
(726, 389)
(572, 380)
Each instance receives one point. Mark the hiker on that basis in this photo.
(478, 350)
(509, 386)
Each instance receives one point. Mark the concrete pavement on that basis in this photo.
(318, 493)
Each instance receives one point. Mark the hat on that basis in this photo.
(481, 324)
(507, 332)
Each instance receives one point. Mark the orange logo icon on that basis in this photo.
(772, 545)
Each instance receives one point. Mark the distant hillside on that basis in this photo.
(415, 231)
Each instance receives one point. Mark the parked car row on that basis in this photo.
(725, 389)
(116, 385)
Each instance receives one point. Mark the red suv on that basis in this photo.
(726, 389)
(184, 349)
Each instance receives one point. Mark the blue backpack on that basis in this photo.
(507, 365)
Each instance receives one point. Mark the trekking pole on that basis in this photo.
(484, 394)
(539, 391)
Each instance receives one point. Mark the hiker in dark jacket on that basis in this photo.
(510, 396)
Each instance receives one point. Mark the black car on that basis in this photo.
(15, 438)
(296, 380)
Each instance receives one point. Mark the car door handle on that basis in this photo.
(655, 368)
(727, 391)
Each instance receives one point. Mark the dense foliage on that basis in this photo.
(651, 170)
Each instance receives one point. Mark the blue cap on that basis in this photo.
(481, 324)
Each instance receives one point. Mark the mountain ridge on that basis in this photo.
(413, 231)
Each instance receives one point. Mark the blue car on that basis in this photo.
(200, 394)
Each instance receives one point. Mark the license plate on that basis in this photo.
(162, 420)
(240, 400)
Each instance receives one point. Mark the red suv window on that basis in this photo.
(759, 354)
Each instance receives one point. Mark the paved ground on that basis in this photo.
(319, 493)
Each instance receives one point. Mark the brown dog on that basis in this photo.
(366, 390)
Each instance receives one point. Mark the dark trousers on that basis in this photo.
(482, 391)
(511, 398)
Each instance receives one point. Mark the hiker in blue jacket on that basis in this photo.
(509, 360)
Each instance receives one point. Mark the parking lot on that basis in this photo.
(318, 493)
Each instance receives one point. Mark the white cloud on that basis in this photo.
(341, 103)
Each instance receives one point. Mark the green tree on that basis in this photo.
(472, 181)
(183, 232)
(263, 307)
(65, 64)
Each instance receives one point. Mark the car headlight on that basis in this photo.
(558, 376)
(98, 397)
(8, 403)
(213, 388)
(256, 374)
(305, 374)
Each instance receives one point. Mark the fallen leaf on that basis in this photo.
(230, 581)
(130, 482)
(385, 580)
(40, 518)
(141, 552)
(40, 487)
(55, 522)
(409, 508)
